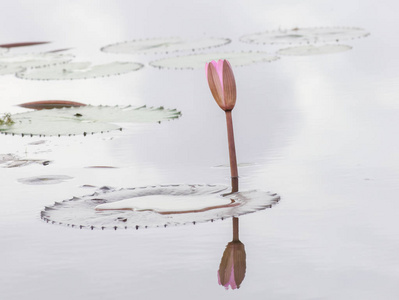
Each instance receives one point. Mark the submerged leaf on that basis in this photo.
(79, 70)
(164, 45)
(197, 61)
(156, 206)
(83, 119)
(313, 50)
(305, 35)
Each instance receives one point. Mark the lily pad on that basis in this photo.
(44, 179)
(79, 70)
(23, 44)
(83, 119)
(164, 45)
(305, 35)
(155, 206)
(197, 61)
(33, 60)
(13, 161)
(313, 50)
(49, 104)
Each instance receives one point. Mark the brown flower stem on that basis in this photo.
(235, 230)
(232, 152)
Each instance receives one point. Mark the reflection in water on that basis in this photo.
(233, 264)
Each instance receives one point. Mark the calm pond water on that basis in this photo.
(321, 131)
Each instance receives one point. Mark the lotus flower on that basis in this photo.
(222, 83)
(232, 266)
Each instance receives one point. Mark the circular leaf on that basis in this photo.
(164, 45)
(313, 50)
(197, 61)
(83, 119)
(305, 35)
(155, 206)
(79, 70)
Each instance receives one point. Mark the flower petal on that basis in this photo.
(229, 84)
(215, 85)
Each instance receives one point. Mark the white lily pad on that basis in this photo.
(313, 50)
(164, 45)
(155, 206)
(305, 35)
(197, 61)
(83, 119)
(79, 70)
(33, 60)
(13, 161)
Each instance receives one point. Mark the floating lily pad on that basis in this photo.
(79, 70)
(305, 35)
(196, 61)
(83, 119)
(313, 50)
(45, 179)
(13, 161)
(164, 45)
(49, 104)
(33, 60)
(155, 206)
(23, 44)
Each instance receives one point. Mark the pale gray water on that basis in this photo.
(321, 131)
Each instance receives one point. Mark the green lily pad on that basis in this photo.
(305, 35)
(83, 119)
(197, 61)
(313, 50)
(79, 70)
(156, 206)
(33, 60)
(164, 45)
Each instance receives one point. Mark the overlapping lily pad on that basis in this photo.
(196, 61)
(13, 63)
(164, 45)
(305, 35)
(313, 50)
(79, 70)
(155, 206)
(83, 120)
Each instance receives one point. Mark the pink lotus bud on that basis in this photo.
(222, 83)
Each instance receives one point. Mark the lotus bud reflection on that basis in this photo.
(233, 265)
(222, 83)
